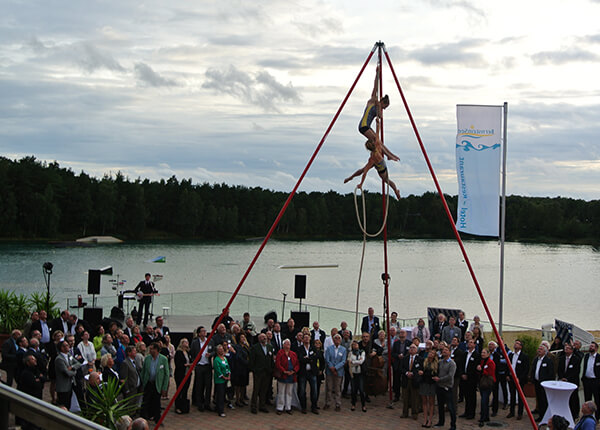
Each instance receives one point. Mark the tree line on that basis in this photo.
(41, 200)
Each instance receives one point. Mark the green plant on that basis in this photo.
(37, 301)
(530, 345)
(14, 311)
(104, 406)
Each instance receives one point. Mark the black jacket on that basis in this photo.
(570, 373)
(522, 367)
(310, 359)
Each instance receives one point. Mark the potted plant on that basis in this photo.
(38, 301)
(104, 406)
(530, 346)
(14, 312)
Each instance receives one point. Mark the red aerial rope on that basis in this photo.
(460, 243)
(265, 240)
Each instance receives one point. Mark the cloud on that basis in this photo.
(456, 53)
(319, 27)
(260, 89)
(91, 58)
(563, 56)
(147, 76)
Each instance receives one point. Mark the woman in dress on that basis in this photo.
(221, 376)
(427, 386)
(182, 365)
(52, 351)
(487, 379)
(286, 368)
(240, 375)
(356, 358)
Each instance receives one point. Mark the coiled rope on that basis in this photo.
(365, 234)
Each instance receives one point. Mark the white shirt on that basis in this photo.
(277, 337)
(45, 332)
(537, 368)
(307, 350)
(204, 359)
(328, 342)
(317, 334)
(468, 358)
(589, 370)
(515, 359)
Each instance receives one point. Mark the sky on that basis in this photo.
(241, 92)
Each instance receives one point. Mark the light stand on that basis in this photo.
(47, 270)
(283, 307)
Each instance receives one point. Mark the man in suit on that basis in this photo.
(129, 325)
(542, 369)
(278, 338)
(399, 351)
(62, 323)
(43, 327)
(370, 324)
(203, 370)
(438, 326)
(307, 357)
(344, 326)
(520, 363)
(129, 374)
(149, 336)
(75, 321)
(146, 287)
(40, 356)
(317, 333)
(226, 320)
(569, 366)
(459, 357)
(591, 376)
(155, 379)
(262, 363)
(335, 358)
(290, 330)
(22, 345)
(296, 344)
(9, 356)
(501, 372)
(470, 377)
(31, 380)
(66, 368)
(163, 329)
(411, 364)
(463, 324)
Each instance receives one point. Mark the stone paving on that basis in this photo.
(377, 416)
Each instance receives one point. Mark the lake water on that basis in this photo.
(542, 282)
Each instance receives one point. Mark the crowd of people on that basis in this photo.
(447, 365)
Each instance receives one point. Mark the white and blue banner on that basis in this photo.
(478, 155)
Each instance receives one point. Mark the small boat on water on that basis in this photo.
(99, 240)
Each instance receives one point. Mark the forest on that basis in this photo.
(42, 201)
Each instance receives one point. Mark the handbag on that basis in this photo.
(486, 382)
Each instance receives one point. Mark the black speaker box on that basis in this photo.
(93, 316)
(301, 319)
(300, 287)
(93, 281)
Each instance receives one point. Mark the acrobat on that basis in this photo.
(372, 111)
(375, 160)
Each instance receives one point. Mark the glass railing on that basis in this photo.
(211, 303)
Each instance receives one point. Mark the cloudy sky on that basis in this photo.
(241, 92)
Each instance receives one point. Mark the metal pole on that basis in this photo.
(502, 224)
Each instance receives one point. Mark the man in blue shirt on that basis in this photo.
(335, 357)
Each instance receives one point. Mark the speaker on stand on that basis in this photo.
(300, 288)
(94, 284)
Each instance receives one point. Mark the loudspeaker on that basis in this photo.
(300, 287)
(93, 281)
(301, 319)
(93, 316)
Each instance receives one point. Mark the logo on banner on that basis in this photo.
(473, 133)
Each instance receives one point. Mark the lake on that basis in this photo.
(542, 282)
